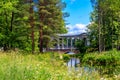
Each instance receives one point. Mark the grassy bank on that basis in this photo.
(21, 66)
(107, 63)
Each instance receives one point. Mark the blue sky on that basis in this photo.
(79, 11)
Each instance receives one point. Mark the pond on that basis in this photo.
(74, 63)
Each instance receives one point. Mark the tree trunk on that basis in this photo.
(112, 33)
(41, 19)
(118, 41)
(6, 44)
(11, 27)
(32, 25)
(99, 28)
(41, 40)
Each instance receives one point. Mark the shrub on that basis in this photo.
(106, 62)
(89, 59)
(66, 57)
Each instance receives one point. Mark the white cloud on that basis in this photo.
(76, 29)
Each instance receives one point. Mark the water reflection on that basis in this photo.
(73, 62)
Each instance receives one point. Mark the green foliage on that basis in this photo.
(46, 42)
(104, 30)
(24, 66)
(19, 26)
(50, 19)
(81, 46)
(66, 57)
(13, 28)
(93, 36)
(106, 62)
(89, 59)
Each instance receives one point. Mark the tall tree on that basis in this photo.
(51, 19)
(14, 28)
(107, 20)
(7, 9)
(97, 8)
(31, 20)
(19, 21)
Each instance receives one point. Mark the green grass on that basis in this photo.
(18, 67)
(21, 66)
(48, 66)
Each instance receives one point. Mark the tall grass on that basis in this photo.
(20, 66)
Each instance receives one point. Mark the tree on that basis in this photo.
(93, 35)
(31, 11)
(81, 45)
(14, 28)
(21, 21)
(50, 18)
(106, 16)
(7, 10)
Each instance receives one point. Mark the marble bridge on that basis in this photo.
(66, 42)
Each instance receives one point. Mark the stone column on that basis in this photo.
(71, 43)
(88, 42)
(62, 43)
(67, 43)
(75, 40)
(58, 43)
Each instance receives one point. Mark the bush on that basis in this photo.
(107, 62)
(80, 44)
(66, 57)
(89, 59)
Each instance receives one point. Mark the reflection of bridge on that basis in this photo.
(66, 42)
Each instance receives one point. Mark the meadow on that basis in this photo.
(48, 66)
(52, 66)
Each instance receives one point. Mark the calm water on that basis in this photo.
(73, 62)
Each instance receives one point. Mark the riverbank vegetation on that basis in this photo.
(106, 63)
(22, 65)
(48, 66)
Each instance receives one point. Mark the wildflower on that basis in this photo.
(102, 79)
